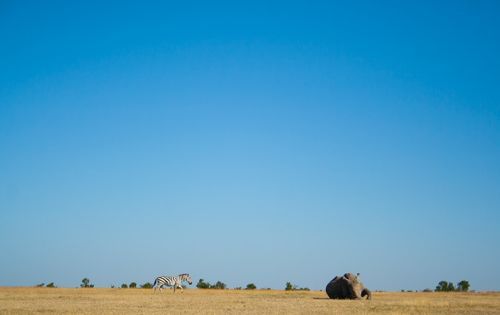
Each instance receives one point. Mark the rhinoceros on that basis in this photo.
(347, 286)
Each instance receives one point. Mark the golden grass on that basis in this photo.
(192, 301)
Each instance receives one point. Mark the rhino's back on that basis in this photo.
(338, 288)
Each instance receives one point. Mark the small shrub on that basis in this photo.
(51, 285)
(218, 285)
(132, 285)
(202, 284)
(147, 285)
(251, 286)
(124, 286)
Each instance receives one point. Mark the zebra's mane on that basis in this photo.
(184, 275)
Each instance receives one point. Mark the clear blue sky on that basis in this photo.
(252, 142)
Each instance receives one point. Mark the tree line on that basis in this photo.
(443, 286)
(292, 287)
(202, 284)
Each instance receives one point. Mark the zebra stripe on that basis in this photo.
(171, 281)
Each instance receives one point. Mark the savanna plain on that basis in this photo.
(194, 301)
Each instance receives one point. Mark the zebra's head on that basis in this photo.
(186, 277)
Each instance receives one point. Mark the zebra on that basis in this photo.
(175, 282)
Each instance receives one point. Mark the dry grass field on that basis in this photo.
(193, 301)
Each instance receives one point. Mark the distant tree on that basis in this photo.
(288, 286)
(427, 290)
(86, 283)
(40, 285)
(237, 288)
(451, 287)
(442, 286)
(124, 286)
(132, 285)
(202, 284)
(251, 286)
(463, 286)
(112, 286)
(445, 286)
(219, 285)
(147, 285)
(51, 285)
